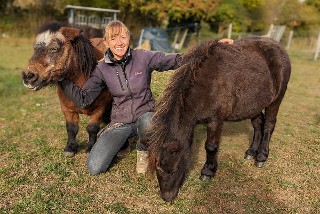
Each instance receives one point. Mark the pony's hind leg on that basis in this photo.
(212, 146)
(257, 123)
(268, 128)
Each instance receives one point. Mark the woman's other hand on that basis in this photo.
(226, 41)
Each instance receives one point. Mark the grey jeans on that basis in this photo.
(112, 139)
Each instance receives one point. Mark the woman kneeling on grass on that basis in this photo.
(127, 74)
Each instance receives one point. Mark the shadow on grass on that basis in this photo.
(230, 129)
(317, 118)
(238, 186)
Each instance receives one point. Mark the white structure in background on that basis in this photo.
(92, 21)
(229, 31)
(289, 40)
(179, 38)
(317, 47)
(276, 32)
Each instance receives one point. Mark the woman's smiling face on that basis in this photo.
(118, 41)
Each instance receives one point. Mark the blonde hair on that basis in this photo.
(115, 28)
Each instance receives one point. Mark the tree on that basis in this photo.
(175, 10)
(3, 4)
(292, 13)
(229, 11)
(314, 3)
(252, 5)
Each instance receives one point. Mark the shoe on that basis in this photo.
(142, 162)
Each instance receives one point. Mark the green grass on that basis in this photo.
(35, 177)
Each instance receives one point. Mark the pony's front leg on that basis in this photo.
(212, 147)
(72, 125)
(93, 126)
(92, 130)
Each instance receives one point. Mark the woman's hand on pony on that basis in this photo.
(226, 41)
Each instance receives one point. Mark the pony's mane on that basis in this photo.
(85, 55)
(168, 110)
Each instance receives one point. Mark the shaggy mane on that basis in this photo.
(85, 55)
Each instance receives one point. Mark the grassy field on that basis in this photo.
(35, 177)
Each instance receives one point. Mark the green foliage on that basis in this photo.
(175, 10)
(3, 4)
(294, 14)
(229, 11)
(60, 5)
(314, 3)
(98, 3)
(252, 4)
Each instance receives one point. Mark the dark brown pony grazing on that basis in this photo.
(217, 82)
(66, 53)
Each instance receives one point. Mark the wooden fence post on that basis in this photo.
(229, 31)
(289, 39)
(317, 47)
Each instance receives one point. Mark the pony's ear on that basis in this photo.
(70, 33)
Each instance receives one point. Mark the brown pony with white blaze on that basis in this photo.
(66, 53)
(216, 83)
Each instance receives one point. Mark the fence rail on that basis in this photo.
(92, 21)
(80, 19)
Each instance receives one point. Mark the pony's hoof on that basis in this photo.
(259, 164)
(205, 177)
(248, 157)
(69, 154)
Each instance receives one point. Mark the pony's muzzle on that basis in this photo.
(168, 196)
(29, 76)
(29, 79)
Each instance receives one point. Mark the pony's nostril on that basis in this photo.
(30, 75)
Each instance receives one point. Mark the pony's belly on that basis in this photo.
(242, 116)
(244, 111)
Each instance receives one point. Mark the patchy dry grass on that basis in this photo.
(36, 178)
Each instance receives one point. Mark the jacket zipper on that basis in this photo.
(123, 65)
(120, 81)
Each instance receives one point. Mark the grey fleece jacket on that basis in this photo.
(128, 82)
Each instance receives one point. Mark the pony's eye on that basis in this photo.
(54, 50)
